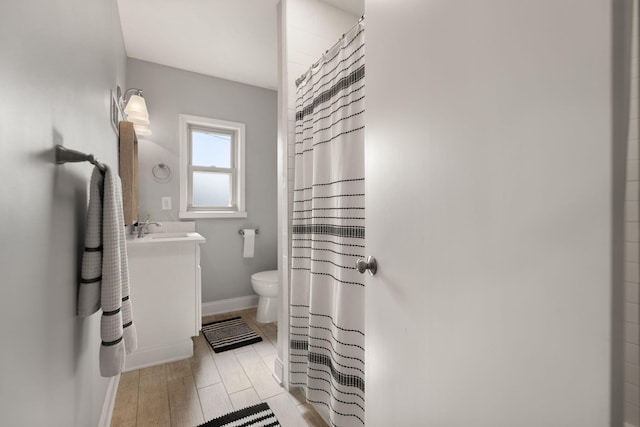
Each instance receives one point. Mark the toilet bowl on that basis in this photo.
(265, 284)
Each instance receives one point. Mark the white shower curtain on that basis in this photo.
(327, 292)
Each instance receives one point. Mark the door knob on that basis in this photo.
(370, 264)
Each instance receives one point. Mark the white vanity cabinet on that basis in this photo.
(164, 271)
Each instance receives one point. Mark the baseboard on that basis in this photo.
(227, 305)
(278, 371)
(109, 402)
(155, 356)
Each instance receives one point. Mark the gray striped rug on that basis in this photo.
(228, 334)
(252, 416)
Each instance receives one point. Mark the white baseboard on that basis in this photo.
(227, 305)
(109, 402)
(155, 356)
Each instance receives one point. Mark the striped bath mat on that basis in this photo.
(258, 415)
(229, 334)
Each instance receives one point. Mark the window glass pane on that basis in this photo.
(210, 149)
(211, 189)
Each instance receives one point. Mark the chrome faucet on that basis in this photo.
(143, 227)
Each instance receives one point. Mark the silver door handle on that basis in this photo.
(370, 265)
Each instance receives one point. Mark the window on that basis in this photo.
(211, 168)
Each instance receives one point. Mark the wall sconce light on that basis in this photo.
(134, 108)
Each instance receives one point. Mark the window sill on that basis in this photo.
(213, 214)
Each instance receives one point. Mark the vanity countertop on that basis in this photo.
(162, 237)
(167, 232)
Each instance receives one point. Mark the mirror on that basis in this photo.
(128, 162)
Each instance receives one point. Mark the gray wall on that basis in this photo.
(58, 63)
(170, 92)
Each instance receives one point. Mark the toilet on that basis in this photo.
(265, 284)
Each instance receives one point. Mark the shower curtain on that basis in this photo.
(327, 292)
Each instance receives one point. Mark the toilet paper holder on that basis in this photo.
(241, 231)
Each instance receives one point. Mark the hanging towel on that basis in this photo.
(91, 275)
(105, 272)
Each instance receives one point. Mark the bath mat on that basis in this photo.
(257, 415)
(229, 334)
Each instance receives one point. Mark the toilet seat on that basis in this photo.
(265, 277)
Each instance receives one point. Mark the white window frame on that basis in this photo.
(186, 172)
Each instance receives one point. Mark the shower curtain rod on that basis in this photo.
(303, 77)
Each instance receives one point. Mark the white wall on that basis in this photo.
(58, 63)
(632, 248)
(169, 92)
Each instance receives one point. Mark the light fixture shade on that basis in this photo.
(141, 130)
(138, 119)
(136, 110)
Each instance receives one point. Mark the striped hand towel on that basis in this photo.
(105, 272)
(91, 275)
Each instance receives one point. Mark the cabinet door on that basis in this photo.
(129, 172)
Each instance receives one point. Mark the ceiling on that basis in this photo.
(230, 39)
(355, 7)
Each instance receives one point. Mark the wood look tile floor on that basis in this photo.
(189, 392)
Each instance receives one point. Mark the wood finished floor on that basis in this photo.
(189, 392)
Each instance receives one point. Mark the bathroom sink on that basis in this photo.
(168, 235)
(161, 237)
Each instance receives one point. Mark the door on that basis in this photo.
(488, 153)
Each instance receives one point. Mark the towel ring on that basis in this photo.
(161, 172)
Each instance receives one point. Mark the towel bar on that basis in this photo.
(65, 155)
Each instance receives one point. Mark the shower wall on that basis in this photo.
(632, 247)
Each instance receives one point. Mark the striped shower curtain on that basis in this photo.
(327, 292)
